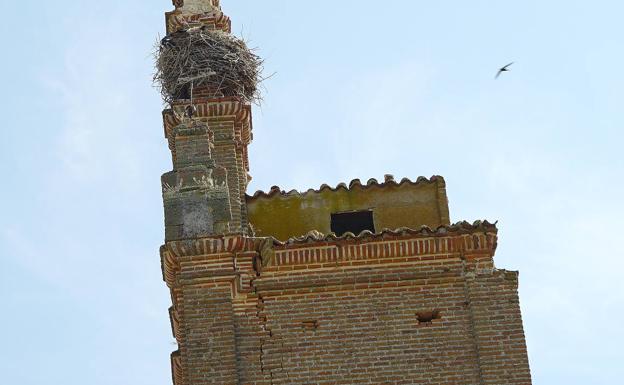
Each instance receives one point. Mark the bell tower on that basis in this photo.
(208, 78)
(361, 283)
(208, 125)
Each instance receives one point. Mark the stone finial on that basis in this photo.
(196, 6)
(189, 14)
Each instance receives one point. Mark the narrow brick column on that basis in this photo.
(214, 316)
(229, 121)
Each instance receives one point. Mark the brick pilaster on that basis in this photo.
(498, 329)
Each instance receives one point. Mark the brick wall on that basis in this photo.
(369, 333)
(404, 307)
(392, 309)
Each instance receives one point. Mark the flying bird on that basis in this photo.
(503, 69)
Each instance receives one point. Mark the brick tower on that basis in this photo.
(366, 283)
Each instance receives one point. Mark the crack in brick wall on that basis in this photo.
(355, 317)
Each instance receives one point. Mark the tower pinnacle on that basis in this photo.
(196, 6)
(208, 77)
(197, 13)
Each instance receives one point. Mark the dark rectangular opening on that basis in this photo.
(352, 222)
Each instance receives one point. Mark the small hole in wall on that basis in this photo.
(310, 325)
(427, 317)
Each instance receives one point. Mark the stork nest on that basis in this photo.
(213, 61)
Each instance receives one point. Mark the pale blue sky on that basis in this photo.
(362, 88)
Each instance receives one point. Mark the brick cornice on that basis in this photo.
(174, 317)
(385, 248)
(177, 370)
(206, 109)
(212, 245)
(169, 265)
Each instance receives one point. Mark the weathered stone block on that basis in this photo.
(196, 213)
(196, 204)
